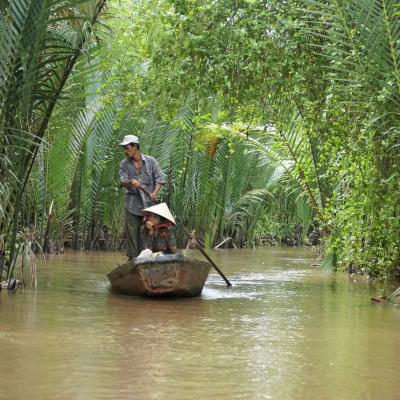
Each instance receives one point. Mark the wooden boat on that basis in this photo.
(169, 275)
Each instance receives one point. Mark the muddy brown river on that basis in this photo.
(286, 330)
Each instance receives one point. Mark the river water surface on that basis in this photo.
(286, 330)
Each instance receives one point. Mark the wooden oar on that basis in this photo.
(197, 244)
(206, 255)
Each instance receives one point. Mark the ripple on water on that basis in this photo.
(212, 293)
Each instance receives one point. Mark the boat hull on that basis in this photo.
(183, 277)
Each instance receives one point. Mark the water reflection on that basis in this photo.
(285, 330)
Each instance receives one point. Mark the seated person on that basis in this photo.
(157, 232)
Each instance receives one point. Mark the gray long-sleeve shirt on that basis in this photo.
(149, 176)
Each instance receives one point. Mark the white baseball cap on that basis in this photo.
(128, 139)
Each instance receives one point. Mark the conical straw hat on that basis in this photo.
(162, 210)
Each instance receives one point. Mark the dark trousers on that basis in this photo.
(133, 239)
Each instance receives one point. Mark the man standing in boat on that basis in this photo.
(137, 170)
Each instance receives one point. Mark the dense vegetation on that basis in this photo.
(272, 120)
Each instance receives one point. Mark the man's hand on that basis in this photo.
(153, 196)
(135, 183)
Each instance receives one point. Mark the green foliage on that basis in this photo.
(40, 42)
(362, 63)
(269, 119)
(327, 89)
